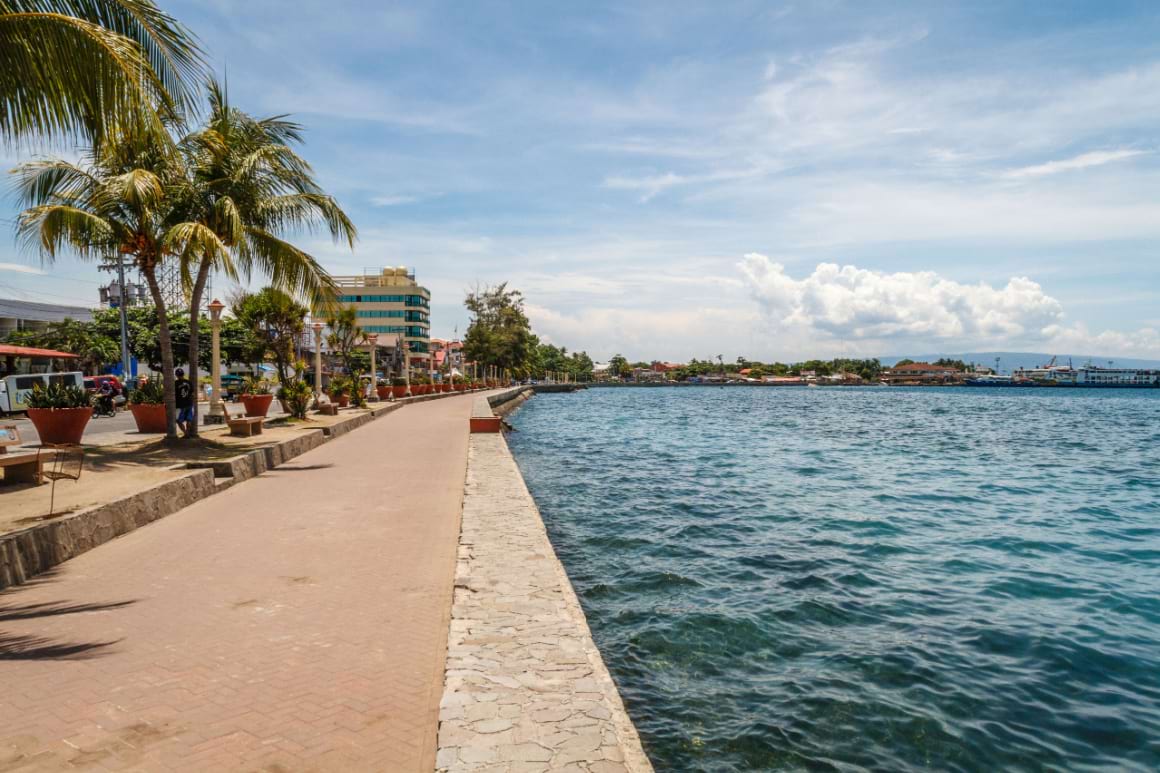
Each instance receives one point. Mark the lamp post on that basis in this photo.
(317, 327)
(217, 413)
(373, 340)
(406, 363)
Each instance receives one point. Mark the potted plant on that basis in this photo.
(256, 396)
(383, 389)
(398, 387)
(147, 404)
(339, 391)
(445, 386)
(60, 413)
(420, 385)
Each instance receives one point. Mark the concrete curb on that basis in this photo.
(525, 687)
(36, 549)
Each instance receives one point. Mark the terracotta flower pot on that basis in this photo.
(342, 400)
(60, 425)
(150, 417)
(422, 389)
(461, 387)
(383, 392)
(446, 387)
(257, 405)
(399, 391)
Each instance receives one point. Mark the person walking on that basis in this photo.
(183, 392)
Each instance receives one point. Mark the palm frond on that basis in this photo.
(73, 68)
(52, 227)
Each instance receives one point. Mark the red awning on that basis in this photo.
(28, 351)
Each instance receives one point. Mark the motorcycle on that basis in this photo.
(104, 406)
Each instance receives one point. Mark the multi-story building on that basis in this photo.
(29, 315)
(393, 305)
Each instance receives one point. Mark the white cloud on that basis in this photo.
(875, 312)
(852, 303)
(1083, 161)
(1078, 339)
(20, 268)
(394, 201)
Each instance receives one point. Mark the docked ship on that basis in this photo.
(993, 380)
(1091, 376)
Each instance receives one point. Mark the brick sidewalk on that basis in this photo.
(295, 622)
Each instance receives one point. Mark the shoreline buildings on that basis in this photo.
(393, 305)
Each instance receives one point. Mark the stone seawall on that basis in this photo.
(526, 688)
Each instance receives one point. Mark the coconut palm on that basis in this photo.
(247, 190)
(92, 68)
(116, 200)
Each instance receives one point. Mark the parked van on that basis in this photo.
(14, 390)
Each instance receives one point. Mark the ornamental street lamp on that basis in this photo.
(217, 413)
(373, 340)
(317, 327)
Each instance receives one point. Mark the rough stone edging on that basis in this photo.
(525, 687)
(38, 548)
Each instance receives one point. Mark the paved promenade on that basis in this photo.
(297, 621)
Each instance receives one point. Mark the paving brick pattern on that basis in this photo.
(526, 687)
(295, 622)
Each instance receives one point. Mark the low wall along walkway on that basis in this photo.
(526, 688)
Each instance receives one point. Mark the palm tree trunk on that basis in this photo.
(194, 340)
(165, 341)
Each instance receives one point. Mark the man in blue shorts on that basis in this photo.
(183, 390)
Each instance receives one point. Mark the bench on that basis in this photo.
(23, 468)
(483, 419)
(246, 426)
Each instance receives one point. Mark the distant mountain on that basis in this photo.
(1009, 361)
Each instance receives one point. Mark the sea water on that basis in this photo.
(865, 578)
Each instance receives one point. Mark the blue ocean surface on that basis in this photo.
(865, 578)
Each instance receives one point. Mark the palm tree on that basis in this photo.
(92, 68)
(247, 190)
(118, 199)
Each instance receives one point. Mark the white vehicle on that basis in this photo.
(14, 390)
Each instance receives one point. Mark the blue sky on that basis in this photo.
(747, 178)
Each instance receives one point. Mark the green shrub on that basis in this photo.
(149, 393)
(398, 381)
(59, 396)
(297, 396)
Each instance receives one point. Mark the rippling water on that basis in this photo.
(895, 579)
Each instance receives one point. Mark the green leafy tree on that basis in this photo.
(618, 365)
(92, 68)
(345, 337)
(275, 321)
(499, 334)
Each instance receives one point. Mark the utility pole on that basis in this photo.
(123, 313)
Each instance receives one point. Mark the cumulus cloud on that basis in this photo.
(853, 303)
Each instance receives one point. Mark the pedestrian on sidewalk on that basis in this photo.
(183, 391)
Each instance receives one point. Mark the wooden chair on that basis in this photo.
(66, 464)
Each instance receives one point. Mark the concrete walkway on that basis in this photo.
(295, 622)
